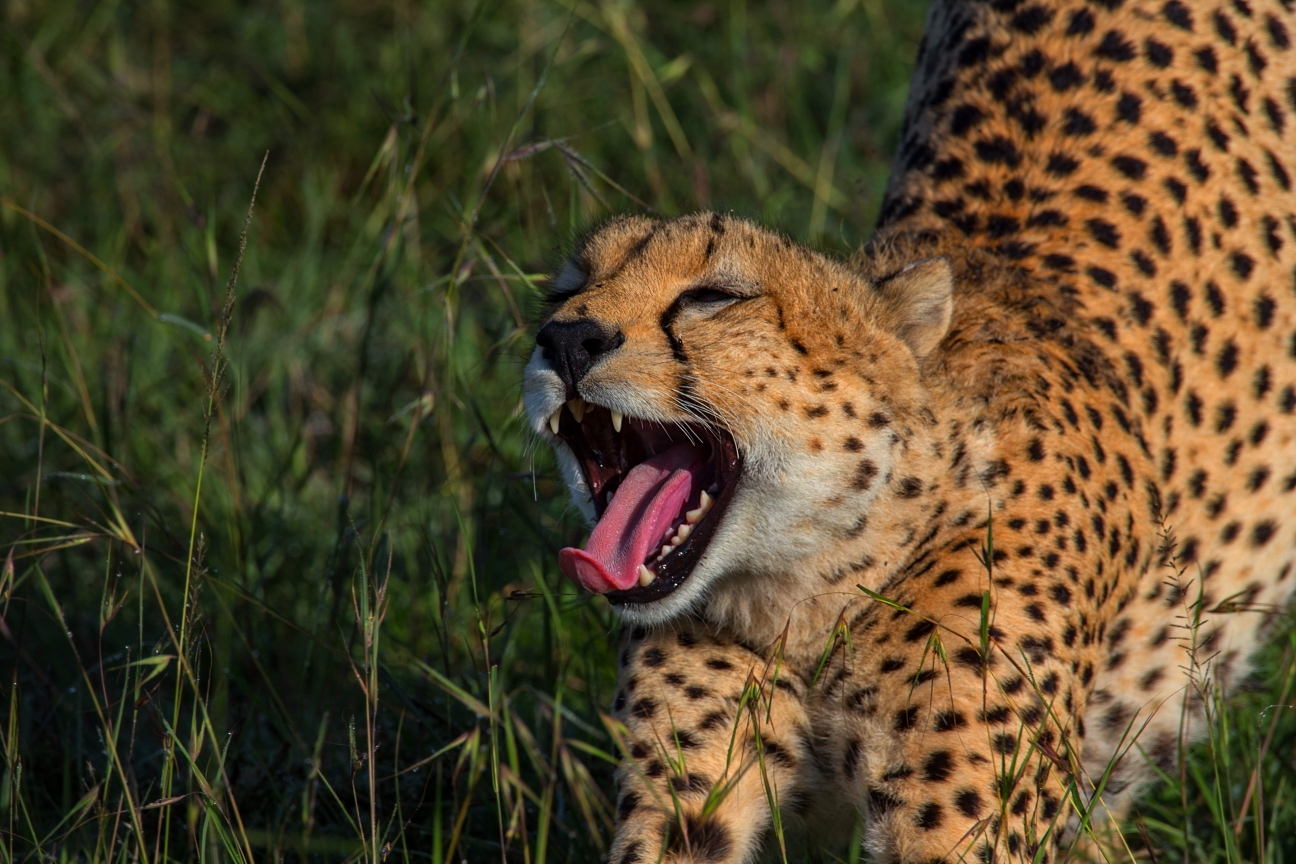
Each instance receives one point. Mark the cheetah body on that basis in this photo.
(1018, 480)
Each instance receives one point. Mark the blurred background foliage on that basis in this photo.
(277, 578)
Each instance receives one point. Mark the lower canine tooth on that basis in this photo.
(554, 419)
(577, 407)
(617, 417)
(646, 576)
(705, 502)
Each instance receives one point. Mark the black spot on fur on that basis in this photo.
(1031, 19)
(998, 150)
(1131, 166)
(906, 719)
(1262, 533)
(929, 816)
(881, 801)
(947, 721)
(1077, 124)
(1061, 165)
(626, 806)
(1115, 47)
(1158, 54)
(1129, 108)
(707, 841)
(938, 767)
(1227, 360)
(1081, 23)
(968, 802)
(1104, 232)
(1183, 94)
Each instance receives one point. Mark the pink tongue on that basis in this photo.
(642, 511)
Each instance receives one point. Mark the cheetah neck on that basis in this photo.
(938, 492)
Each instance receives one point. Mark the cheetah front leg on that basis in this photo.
(956, 753)
(716, 745)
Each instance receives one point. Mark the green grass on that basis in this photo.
(278, 578)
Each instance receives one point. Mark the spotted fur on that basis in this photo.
(975, 558)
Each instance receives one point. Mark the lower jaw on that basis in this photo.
(662, 587)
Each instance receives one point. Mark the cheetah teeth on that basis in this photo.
(693, 517)
(675, 538)
(646, 576)
(578, 408)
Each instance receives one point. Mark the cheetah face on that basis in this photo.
(692, 404)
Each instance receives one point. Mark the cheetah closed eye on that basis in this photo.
(1074, 330)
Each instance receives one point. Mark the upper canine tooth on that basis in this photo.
(554, 419)
(693, 517)
(617, 416)
(577, 407)
(646, 576)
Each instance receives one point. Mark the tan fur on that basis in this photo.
(1112, 393)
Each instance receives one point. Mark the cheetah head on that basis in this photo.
(723, 403)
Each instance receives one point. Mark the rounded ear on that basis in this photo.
(920, 300)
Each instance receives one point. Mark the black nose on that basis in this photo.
(571, 347)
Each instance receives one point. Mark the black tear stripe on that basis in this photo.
(667, 321)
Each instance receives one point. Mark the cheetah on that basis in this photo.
(954, 537)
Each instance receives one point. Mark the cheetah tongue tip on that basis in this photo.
(646, 504)
(586, 571)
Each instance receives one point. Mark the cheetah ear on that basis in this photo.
(920, 298)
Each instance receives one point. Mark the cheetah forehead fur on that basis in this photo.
(1011, 484)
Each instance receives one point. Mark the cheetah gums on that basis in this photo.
(956, 536)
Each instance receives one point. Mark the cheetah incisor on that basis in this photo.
(934, 534)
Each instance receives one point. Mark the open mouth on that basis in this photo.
(659, 493)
